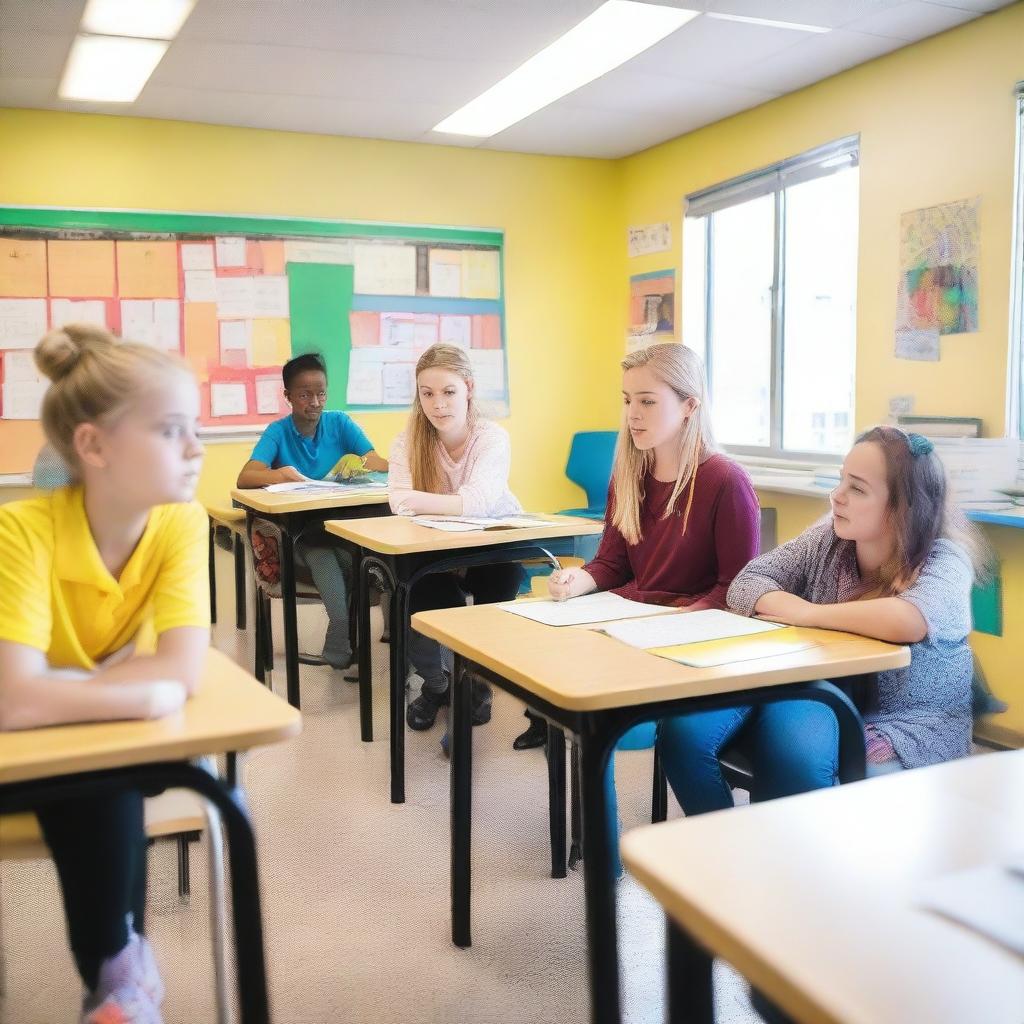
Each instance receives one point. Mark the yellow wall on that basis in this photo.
(563, 246)
(936, 123)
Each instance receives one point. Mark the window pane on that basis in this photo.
(819, 325)
(742, 264)
(695, 232)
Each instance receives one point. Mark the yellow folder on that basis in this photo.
(711, 653)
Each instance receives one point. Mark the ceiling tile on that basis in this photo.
(912, 21)
(42, 15)
(33, 54)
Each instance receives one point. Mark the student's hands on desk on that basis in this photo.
(567, 583)
(788, 609)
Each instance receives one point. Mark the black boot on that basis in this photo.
(535, 736)
(422, 712)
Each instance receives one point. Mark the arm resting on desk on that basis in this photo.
(259, 474)
(885, 618)
(34, 695)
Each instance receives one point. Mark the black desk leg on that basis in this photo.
(556, 798)
(689, 988)
(575, 840)
(291, 625)
(239, 583)
(361, 574)
(659, 789)
(260, 661)
(460, 738)
(213, 576)
(399, 671)
(598, 881)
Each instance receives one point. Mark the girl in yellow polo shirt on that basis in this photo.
(81, 571)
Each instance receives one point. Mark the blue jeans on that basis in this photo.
(794, 746)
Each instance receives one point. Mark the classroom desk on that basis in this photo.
(812, 898)
(231, 712)
(598, 688)
(405, 552)
(291, 514)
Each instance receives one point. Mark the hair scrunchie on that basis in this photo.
(919, 445)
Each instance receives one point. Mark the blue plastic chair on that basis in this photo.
(590, 467)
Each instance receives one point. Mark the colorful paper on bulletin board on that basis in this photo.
(21, 444)
(81, 270)
(147, 270)
(271, 342)
(652, 305)
(938, 286)
(22, 268)
(202, 341)
(481, 274)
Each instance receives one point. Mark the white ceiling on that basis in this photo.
(392, 69)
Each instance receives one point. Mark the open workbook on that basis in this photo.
(464, 524)
(357, 486)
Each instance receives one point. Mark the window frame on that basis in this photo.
(1015, 376)
(841, 154)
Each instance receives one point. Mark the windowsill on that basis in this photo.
(15, 480)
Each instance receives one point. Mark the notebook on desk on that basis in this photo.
(464, 524)
(712, 653)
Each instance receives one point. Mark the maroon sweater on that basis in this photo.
(692, 570)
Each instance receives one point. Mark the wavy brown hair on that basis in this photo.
(423, 437)
(918, 511)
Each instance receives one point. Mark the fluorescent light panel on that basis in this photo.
(768, 22)
(109, 69)
(143, 19)
(616, 32)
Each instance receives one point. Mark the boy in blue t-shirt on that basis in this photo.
(310, 443)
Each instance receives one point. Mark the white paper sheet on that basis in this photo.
(385, 269)
(22, 322)
(235, 334)
(988, 899)
(397, 329)
(603, 607)
(467, 524)
(300, 251)
(155, 322)
(236, 297)
(270, 296)
(22, 400)
(71, 311)
(228, 399)
(268, 396)
(167, 323)
(488, 371)
(20, 366)
(399, 383)
(688, 628)
(425, 333)
(445, 278)
(196, 256)
(230, 252)
(365, 379)
(200, 286)
(457, 330)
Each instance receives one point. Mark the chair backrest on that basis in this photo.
(590, 463)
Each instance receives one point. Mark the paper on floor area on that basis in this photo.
(691, 628)
(462, 524)
(603, 607)
(988, 899)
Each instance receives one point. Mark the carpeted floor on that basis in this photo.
(355, 890)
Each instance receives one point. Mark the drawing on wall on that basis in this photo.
(938, 286)
(237, 306)
(652, 309)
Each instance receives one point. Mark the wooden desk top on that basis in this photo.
(270, 502)
(231, 712)
(399, 535)
(580, 669)
(812, 897)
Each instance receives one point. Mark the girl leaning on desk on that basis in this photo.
(895, 561)
(682, 518)
(84, 568)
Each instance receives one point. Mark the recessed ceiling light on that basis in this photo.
(109, 69)
(793, 25)
(145, 19)
(616, 32)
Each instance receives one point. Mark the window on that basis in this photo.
(769, 298)
(1015, 404)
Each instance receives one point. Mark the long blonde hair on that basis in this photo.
(682, 370)
(95, 378)
(423, 436)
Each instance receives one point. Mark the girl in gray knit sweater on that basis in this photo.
(891, 562)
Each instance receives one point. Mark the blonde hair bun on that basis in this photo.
(58, 352)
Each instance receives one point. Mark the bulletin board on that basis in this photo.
(239, 296)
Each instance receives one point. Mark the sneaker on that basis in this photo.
(340, 663)
(129, 989)
(422, 712)
(126, 1005)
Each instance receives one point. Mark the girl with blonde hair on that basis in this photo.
(682, 518)
(85, 567)
(450, 460)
